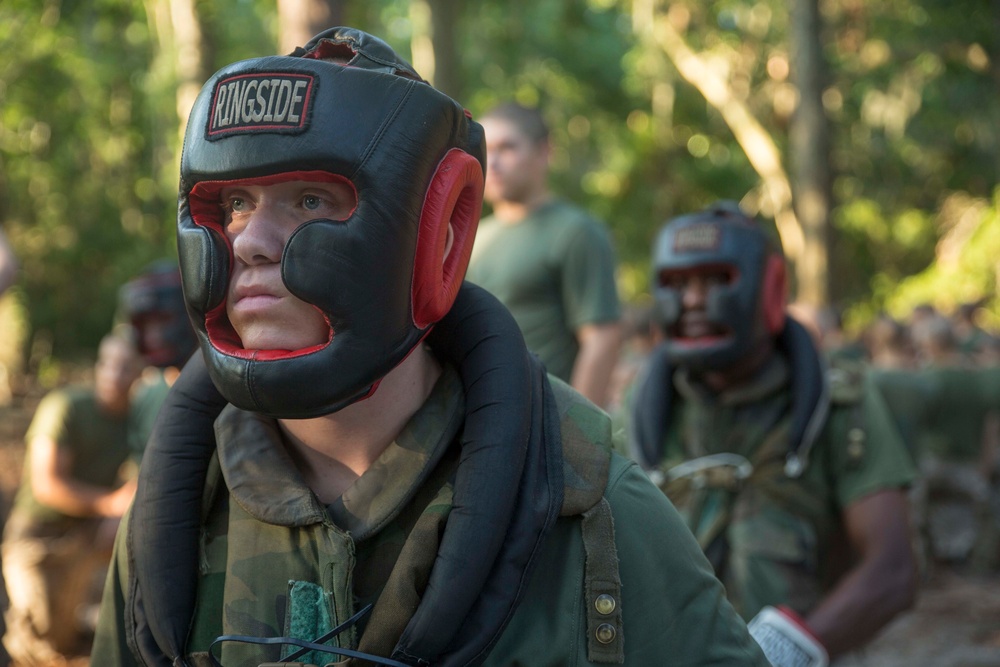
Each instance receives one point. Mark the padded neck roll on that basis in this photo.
(654, 395)
(508, 489)
(650, 409)
(165, 518)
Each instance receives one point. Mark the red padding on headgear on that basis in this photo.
(455, 195)
(204, 201)
(774, 294)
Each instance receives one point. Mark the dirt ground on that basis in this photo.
(955, 623)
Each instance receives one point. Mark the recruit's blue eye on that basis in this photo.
(234, 204)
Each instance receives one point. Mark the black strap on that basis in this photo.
(807, 379)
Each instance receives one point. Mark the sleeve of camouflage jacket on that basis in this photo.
(674, 609)
(110, 647)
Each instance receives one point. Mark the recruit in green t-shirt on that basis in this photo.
(554, 271)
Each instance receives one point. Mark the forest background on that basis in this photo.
(868, 131)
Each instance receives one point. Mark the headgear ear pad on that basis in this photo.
(774, 294)
(415, 160)
(454, 197)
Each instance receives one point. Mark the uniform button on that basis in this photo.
(605, 633)
(604, 604)
(856, 444)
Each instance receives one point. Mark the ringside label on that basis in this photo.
(697, 238)
(261, 102)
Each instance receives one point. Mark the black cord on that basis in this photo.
(305, 646)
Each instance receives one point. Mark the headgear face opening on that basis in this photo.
(380, 277)
(745, 304)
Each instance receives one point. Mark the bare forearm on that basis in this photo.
(881, 585)
(864, 602)
(595, 362)
(79, 499)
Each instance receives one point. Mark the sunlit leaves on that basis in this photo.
(88, 129)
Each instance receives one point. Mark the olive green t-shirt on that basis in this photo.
(96, 441)
(955, 414)
(908, 395)
(145, 406)
(555, 272)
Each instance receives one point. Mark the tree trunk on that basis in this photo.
(756, 142)
(809, 151)
(434, 50)
(300, 20)
(181, 51)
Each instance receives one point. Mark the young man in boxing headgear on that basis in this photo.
(393, 477)
(775, 461)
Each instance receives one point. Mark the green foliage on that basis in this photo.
(916, 119)
(73, 151)
(238, 29)
(88, 134)
(966, 270)
(88, 131)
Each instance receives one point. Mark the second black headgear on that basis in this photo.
(750, 305)
(153, 304)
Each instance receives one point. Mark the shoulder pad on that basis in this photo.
(586, 445)
(846, 380)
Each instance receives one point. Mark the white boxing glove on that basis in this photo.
(786, 640)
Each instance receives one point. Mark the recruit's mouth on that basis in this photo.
(696, 329)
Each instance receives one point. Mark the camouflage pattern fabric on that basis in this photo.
(955, 512)
(52, 572)
(767, 534)
(272, 554)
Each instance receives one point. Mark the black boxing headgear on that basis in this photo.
(153, 303)
(723, 241)
(347, 109)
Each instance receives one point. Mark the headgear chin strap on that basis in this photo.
(750, 306)
(380, 277)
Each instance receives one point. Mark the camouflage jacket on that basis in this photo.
(619, 580)
(764, 492)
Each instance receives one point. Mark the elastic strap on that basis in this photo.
(605, 643)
